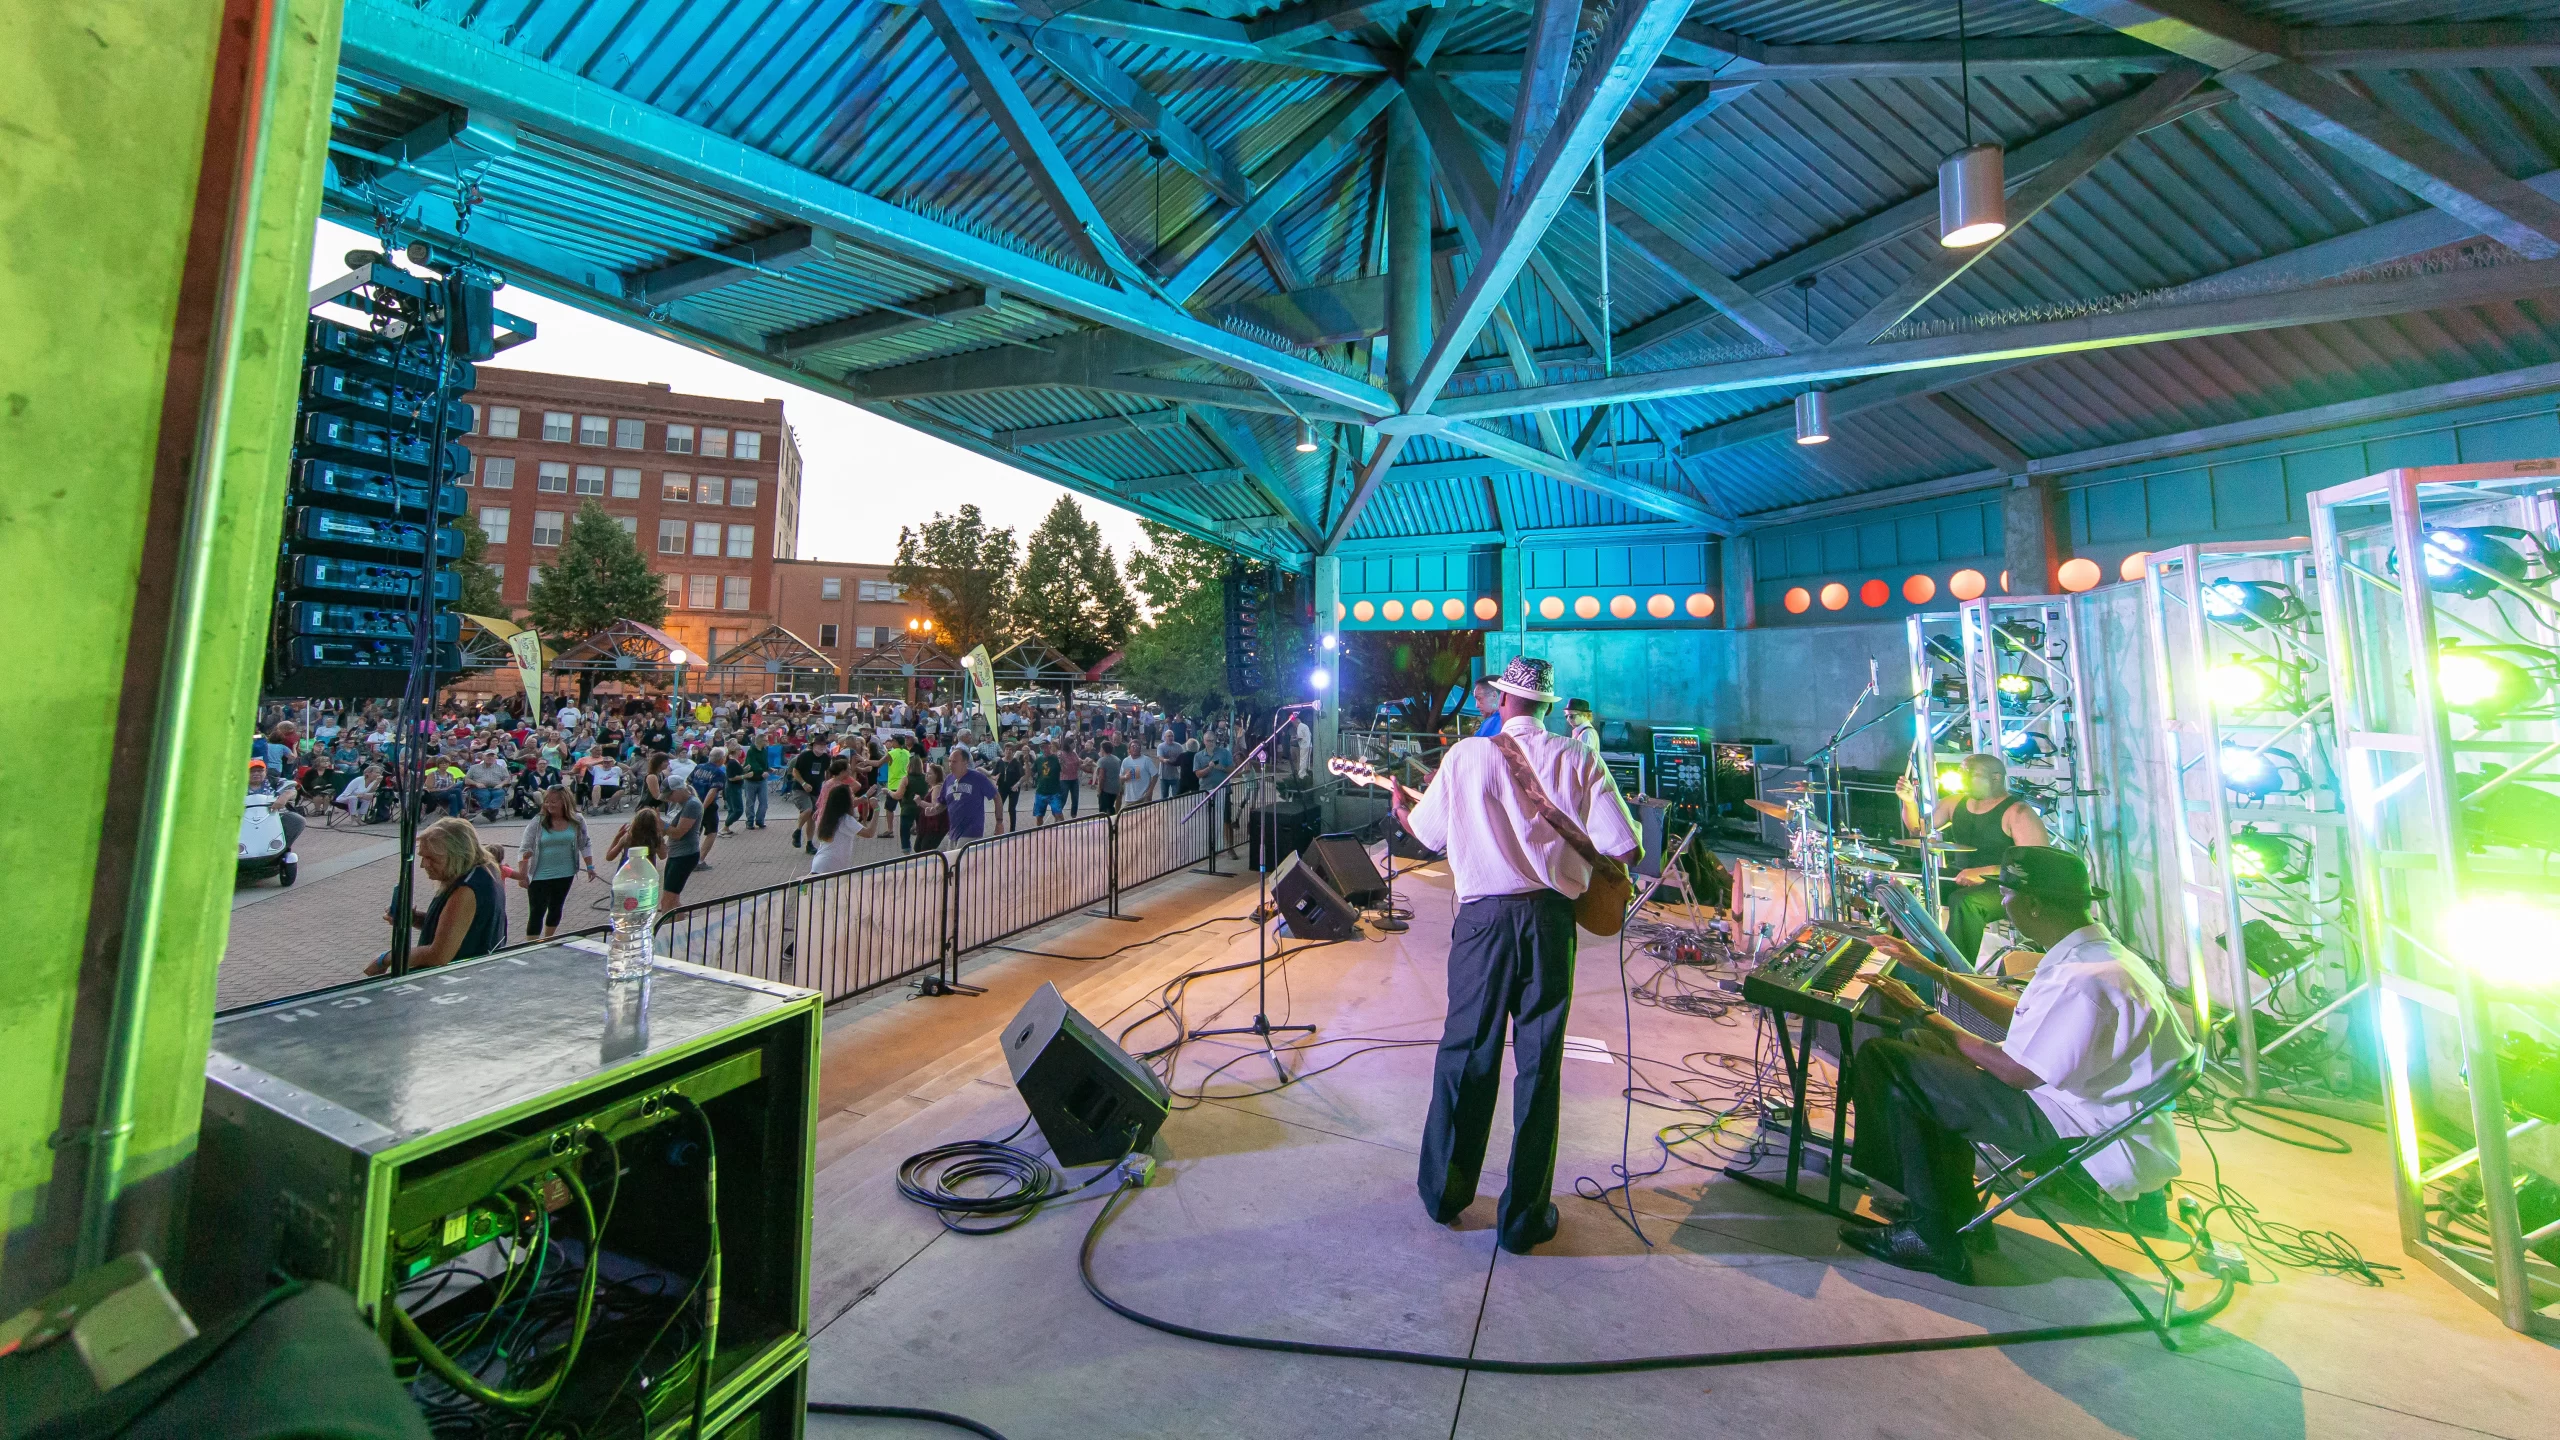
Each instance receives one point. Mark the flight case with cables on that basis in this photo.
(550, 1193)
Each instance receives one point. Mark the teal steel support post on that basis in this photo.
(1408, 249)
(1328, 726)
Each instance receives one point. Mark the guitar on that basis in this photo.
(1601, 908)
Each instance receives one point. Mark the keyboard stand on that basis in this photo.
(1797, 1049)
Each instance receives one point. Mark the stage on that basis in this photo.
(1293, 1215)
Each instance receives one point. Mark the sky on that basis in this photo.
(862, 476)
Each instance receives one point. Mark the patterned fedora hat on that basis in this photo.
(1529, 679)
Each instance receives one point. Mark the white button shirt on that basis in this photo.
(1497, 844)
(2096, 1027)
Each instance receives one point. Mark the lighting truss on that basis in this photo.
(2240, 697)
(2005, 675)
(2459, 911)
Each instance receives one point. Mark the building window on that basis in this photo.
(865, 636)
(493, 523)
(709, 490)
(748, 445)
(532, 577)
(672, 486)
(742, 490)
(591, 480)
(503, 420)
(553, 478)
(670, 537)
(594, 429)
(879, 590)
(630, 524)
(705, 592)
(733, 592)
(498, 472)
(831, 588)
(742, 542)
(706, 537)
(715, 442)
(679, 439)
(630, 434)
(626, 484)
(826, 637)
(559, 425)
(673, 586)
(546, 527)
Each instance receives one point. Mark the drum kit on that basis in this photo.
(1863, 865)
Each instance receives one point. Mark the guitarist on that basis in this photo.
(1530, 821)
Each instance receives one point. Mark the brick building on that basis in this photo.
(842, 607)
(709, 487)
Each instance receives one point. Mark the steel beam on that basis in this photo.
(1703, 52)
(1687, 106)
(2324, 305)
(1983, 434)
(1088, 358)
(1187, 31)
(2116, 124)
(1206, 245)
(1172, 484)
(1231, 435)
(1408, 207)
(1291, 26)
(1086, 429)
(730, 264)
(1346, 310)
(455, 140)
(1543, 68)
(1846, 401)
(947, 308)
(394, 42)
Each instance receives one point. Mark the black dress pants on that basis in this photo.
(1510, 960)
(1918, 1111)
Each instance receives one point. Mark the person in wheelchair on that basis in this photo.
(2092, 1031)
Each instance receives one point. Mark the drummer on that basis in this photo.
(1982, 825)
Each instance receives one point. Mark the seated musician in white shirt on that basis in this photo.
(2091, 1032)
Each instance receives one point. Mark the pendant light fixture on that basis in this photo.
(1813, 418)
(1973, 207)
(1306, 438)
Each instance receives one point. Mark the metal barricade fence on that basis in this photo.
(839, 934)
(1156, 838)
(1006, 884)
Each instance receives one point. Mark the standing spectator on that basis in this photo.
(965, 797)
(1070, 777)
(808, 772)
(733, 790)
(1186, 769)
(912, 792)
(654, 783)
(764, 752)
(833, 832)
(1009, 775)
(684, 845)
(933, 818)
(1138, 774)
(710, 783)
(1048, 786)
(554, 849)
(1107, 779)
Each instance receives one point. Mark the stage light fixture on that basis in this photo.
(2014, 684)
(2256, 773)
(2485, 546)
(1317, 679)
(1332, 642)
(2018, 637)
(2481, 682)
(2242, 683)
(1949, 688)
(2248, 604)
(2024, 747)
(2270, 855)
(1943, 648)
(1950, 779)
(2511, 942)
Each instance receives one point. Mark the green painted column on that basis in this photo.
(1513, 636)
(161, 179)
(1328, 722)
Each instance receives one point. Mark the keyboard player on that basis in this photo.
(2092, 1030)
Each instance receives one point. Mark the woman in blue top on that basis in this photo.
(555, 849)
(468, 916)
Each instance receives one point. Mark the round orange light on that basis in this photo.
(1422, 609)
(1874, 593)
(1702, 605)
(1919, 589)
(1965, 584)
(1364, 611)
(2004, 582)
(1659, 607)
(1338, 610)
(1622, 607)
(2135, 565)
(2078, 575)
(1835, 596)
(1551, 608)
(1453, 609)
(1798, 602)
(1586, 607)
(1487, 608)
(1394, 610)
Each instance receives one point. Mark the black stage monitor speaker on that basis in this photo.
(1091, 1101)
(1292, 826)
(1344, 864)
(1312, 908)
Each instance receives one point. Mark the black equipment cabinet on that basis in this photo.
(381, 1131)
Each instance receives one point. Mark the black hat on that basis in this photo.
(2048, 873)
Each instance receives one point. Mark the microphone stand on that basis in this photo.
(1269, 837)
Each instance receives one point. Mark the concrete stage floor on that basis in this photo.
(1292, 1214)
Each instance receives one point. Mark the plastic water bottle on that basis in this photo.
(635, 906)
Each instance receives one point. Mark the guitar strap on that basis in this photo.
(1527, 779)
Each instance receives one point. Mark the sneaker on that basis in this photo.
(795, 839)
(1530, 1237)
(1985, 1241)
(1902, 1246)
(704, 866)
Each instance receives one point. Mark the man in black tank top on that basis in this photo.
(1990, 822)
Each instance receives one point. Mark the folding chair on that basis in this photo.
(2066, 1155)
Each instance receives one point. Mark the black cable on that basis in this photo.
(1022, 1181)
(906, 1412)
(711, 1265)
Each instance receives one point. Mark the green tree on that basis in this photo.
(962, 571)
(1070, 593)
(480, 595)
(1179, 657)
(596, 577)
(1418, 671)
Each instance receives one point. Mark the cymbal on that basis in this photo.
(1775, 812)
(1938, 847)
(1853, 862)
(1850, 852)
(1797, 789)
